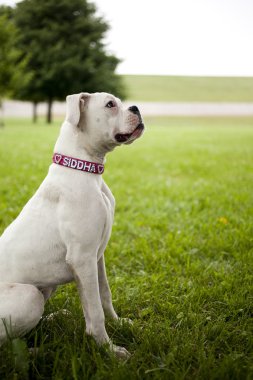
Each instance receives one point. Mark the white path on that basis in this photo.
(24, 109)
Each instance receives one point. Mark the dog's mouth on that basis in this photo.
(124, 137)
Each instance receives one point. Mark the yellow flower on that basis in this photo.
(223, 220)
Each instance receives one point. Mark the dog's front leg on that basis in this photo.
(105, 291)
(106, 295)
(86, 275)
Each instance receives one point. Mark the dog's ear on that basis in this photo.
(75, 105)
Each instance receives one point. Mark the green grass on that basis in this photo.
(188, 89)
(179, 261)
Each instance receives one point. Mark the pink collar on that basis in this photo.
(75, 163)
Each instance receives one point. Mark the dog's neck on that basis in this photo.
(71, 142)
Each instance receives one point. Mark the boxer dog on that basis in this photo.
(62, 232)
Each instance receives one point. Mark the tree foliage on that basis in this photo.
(63, 43)
(12, 67)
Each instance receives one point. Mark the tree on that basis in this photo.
(11, 65)
(63, 43)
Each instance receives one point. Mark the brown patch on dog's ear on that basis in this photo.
(83, 102)
(75, 107)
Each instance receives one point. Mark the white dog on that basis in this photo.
(62, 232)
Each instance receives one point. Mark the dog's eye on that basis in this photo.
(110, 104)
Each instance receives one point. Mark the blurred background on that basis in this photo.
(173, 58)
(181, 253)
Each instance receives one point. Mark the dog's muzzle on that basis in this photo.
(124, 137)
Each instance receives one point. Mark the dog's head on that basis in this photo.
(103, 121)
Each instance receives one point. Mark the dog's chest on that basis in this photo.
(109, 208)
(109, 212)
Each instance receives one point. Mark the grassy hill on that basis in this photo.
(189, 89)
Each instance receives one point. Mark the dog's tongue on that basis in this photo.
(137, 132)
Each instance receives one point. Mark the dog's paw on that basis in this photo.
(120, 352)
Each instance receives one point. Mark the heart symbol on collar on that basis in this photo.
(57, 158)
(100, 169)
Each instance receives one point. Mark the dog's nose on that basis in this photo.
(134, 109)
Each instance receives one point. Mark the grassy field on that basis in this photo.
(188, 89)
(180, 259)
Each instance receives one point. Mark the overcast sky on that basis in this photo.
(180, 37)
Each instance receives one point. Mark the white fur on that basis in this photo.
(62, 232)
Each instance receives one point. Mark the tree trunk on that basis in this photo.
(35, 116)
(1, 114)
(49, 110)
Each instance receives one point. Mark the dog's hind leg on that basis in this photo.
(47, 292)
(21, 307)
